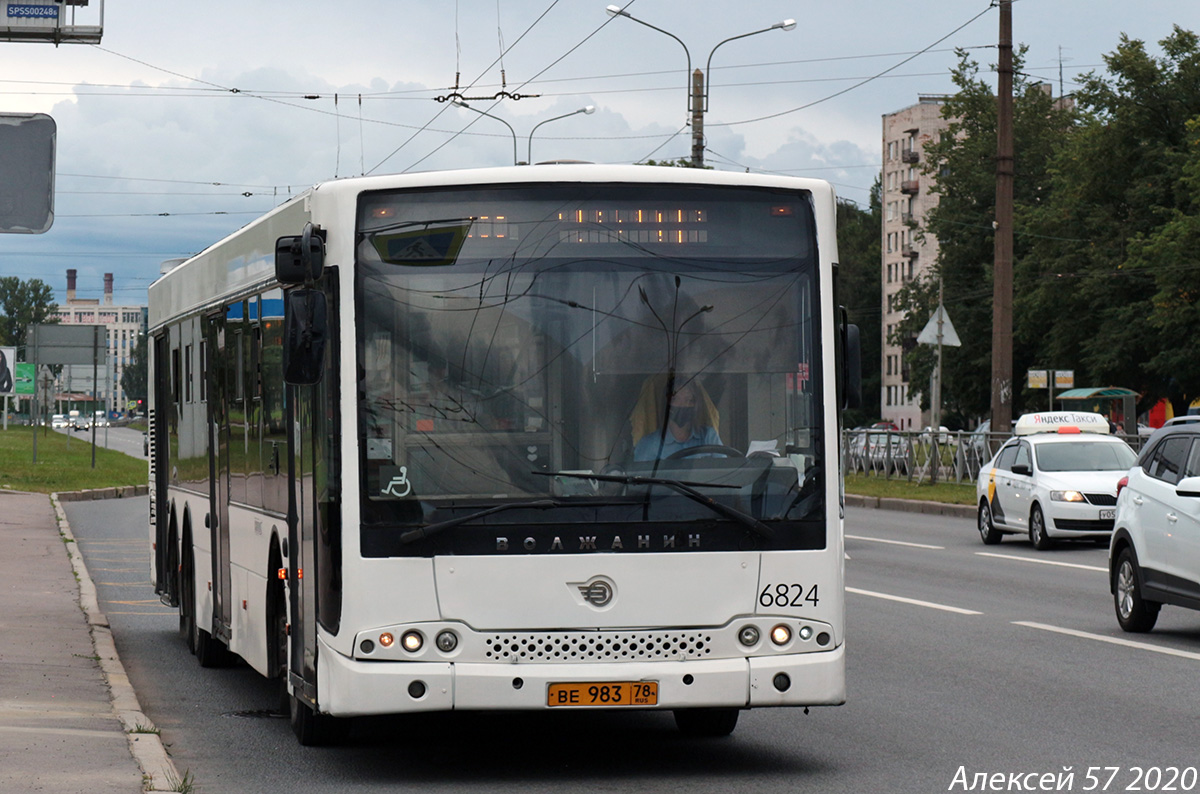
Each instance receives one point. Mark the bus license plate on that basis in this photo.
(609, 693)
(1106, 514)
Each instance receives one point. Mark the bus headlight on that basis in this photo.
(412, 641)
(446, 641)
(781, 635)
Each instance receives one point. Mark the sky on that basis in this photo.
(188, 120)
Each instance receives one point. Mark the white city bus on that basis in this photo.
(546, 437)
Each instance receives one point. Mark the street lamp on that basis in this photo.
(698, 88)
(785, 25)
(589, 110)
(617, 11)
(458, 101)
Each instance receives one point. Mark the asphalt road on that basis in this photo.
(985, 659)
(120, 439)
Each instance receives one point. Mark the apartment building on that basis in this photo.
(123, 323)
(906, 255)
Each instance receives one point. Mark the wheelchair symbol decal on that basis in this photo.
(398, 486)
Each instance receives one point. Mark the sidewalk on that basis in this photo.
(66, 707)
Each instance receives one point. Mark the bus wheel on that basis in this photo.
(277, 633)
(706, 722)
(316, 730)
(208, 651)
(187, 600)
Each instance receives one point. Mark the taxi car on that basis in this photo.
(1055, 479)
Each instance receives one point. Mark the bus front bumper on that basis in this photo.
(350, 688)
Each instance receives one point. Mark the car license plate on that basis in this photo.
(1105, 514)
(608, 693)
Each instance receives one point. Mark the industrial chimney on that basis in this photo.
(70, 285)
(108, 289)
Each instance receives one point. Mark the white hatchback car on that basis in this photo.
(1055, 479)
(1154, 558)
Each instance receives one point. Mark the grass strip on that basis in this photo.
(62, 464)
(900, 488)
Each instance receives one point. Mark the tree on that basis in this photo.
(23, 303)
(1170, 254)
(963, 164)
(1111, 261)
(135, 378)
(860, 290)
(681, 162)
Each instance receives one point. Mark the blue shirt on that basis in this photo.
(648, 448)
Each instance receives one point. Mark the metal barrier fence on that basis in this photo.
(927, 456)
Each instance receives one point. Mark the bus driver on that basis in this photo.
(691, 420)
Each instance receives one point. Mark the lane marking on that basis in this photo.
(1043, 562)
(896, 542)
(1141, 646)
(913, 601)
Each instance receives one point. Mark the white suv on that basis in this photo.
(1154, 557)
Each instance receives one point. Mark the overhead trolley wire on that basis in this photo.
(445, 107)
(858, 84)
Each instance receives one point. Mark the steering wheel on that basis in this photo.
(706, 449)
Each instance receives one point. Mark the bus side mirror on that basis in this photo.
(300, 259)
(853, 365)
(305, 330)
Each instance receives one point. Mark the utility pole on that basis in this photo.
(936, 402)
(1002, 286)
(698, 100)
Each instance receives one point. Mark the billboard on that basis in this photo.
(25, 380)
(8, 371)
(56, 21)
(27, 145)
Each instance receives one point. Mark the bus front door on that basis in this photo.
(301, 564)
(219, 387)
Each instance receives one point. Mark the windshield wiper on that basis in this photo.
(684, 487)
(429, 530)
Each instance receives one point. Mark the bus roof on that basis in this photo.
(244, 260)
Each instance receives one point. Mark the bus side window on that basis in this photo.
(273, 452)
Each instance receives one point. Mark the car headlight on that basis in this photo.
(1066, 496)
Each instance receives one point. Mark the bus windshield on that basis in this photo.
(513, 340)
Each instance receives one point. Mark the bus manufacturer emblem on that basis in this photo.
(597, 591)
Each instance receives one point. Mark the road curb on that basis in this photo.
(116, 492)
(145, 744)
(911, 506)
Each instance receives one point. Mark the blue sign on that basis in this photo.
(33, 12)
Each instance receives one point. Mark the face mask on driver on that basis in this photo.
(682, 415)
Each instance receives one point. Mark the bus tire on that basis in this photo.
(706, 722)
(187, 597)
(313, 729)
(208, 651)
(277, 637)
